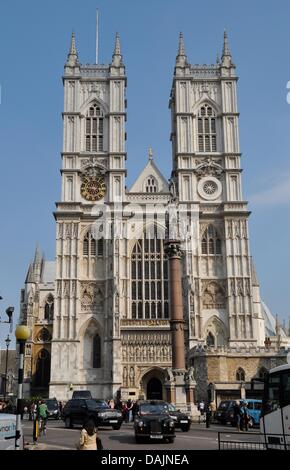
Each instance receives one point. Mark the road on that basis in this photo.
(198, 438)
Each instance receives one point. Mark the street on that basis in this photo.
(198, 438)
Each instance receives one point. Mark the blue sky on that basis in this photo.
(34, 41)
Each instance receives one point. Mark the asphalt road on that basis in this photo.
(198, 438)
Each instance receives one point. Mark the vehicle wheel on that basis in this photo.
(184, 428)
(233, 424)
(170, 440)
(68, 423)
(116, 427)
(138, 439)
(223, 422)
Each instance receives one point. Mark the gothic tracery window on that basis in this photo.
(207, 134)
(149, 279)
(211, 243)
(94, 129)
(92, 247)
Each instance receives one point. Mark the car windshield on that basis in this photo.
(91, 404)
(51, 404)
(101, 404)
(151, 409)
(171, 407)
(224, 405)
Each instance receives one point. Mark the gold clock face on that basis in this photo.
(93, 188)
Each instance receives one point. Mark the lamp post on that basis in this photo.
(7, 341)
(22, 334)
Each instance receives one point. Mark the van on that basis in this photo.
(8, 432)
(254, 407)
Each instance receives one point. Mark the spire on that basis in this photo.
(181, 59)
(226, 56)
(117, 57)
(72, 58)
(37, 256)
(150, 154)
(30, 275)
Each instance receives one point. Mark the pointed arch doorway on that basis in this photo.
(154, 389)
(153, 384)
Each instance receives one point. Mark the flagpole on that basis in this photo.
(97, 38)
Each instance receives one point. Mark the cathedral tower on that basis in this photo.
(223, 300)
(85, 344)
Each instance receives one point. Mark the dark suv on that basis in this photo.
(153, 421)
(53, 408)
(79, 411)
(181, 420)
(225, 412)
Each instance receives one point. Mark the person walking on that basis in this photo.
(129, 410)
(208, 413)
(201, 408)
(245, 416)
(88, 437)
(237, 415)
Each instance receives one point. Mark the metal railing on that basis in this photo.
(252, 441)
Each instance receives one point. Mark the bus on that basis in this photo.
(275, 415)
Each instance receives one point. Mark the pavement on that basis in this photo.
(198, 438)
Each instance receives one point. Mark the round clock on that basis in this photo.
(93, 188)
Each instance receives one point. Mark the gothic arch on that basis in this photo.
(42, 369)
(91, 339)
(146, 228)
(217, 329)
(202, 101)
(91, 102)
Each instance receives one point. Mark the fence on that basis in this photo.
(252, 441)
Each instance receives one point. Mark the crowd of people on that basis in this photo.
(128, 408)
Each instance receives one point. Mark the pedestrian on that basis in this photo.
(208, 413)
(125, 412)
(129, 410)
(201, 408)
(111, 404)
(237, 415)
(245, 416)
(88, 437)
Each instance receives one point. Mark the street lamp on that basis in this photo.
(7, 341)
(22, 334)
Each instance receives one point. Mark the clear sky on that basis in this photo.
(34, 42)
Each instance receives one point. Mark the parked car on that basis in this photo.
(254, 407)
(78, 411)
(53, 408)
(225, 412)
(82, 394)
(153, 421)
(181, 420)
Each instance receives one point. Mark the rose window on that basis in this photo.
(210, 187)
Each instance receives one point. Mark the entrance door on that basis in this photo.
(154, 389)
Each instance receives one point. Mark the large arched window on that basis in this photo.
(94, 129)
(151, 185)
(211, 243)
(207, 135)
(49, 308)
(240, 375)
(42, 372)
(96, 352)
(149, 274)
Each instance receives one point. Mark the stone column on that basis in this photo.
(172, 249)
